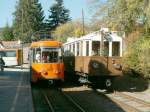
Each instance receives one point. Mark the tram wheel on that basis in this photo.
(109, 85)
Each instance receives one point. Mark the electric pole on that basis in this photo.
(83, 32)
(22, 42)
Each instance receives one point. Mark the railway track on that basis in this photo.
(129, 103)
(58, 101)
(39, 102)
(92, 102)
(82, 99)
(54, 100)
(51, 109)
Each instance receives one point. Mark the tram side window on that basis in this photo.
(73, 49)
(95, 48)
(81, 48)
(106, 48)
(70, 48)
(87, 48)
(60, 55)
(31, 55)
(78, 49)
(68, 52)
(37, 55)
(115, 49)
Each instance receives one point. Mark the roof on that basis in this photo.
(8, 49)
(96, 36)
(9, 44)
(46, 44)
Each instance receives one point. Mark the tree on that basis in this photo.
(28, 19)
(125, 14)
(7, 33)
(62, 32)
(36, 16)
(119, 14)
(1, 29)
(146, 7)
(70, 29)
(136, 58)
(78, 32)
(58, 15)
(99, 11)
(133, 17)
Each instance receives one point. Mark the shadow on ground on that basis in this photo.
(125, 83)
(130, 84)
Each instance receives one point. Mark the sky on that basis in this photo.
(7, 7)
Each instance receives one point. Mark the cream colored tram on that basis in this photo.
(96, 58)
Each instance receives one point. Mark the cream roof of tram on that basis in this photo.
(95, 36)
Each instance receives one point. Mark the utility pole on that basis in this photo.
(22, 41)
(83, 32)
(22, 23)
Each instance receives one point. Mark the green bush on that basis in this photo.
(137, 57)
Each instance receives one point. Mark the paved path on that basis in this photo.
(15, 91)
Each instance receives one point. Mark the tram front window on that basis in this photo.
(51, 55)
(37, 55)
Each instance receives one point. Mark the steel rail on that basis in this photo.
(48, 102)
(72, 101)
(134, 98)
(120, 103)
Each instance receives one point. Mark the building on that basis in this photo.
(16, 45)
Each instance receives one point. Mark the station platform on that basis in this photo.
(15, 91)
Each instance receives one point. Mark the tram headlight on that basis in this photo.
(57, 71)
(45, 73)
(95, 65)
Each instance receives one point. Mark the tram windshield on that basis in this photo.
(48, 55)
(51, 55)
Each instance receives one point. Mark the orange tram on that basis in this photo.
(46, 62)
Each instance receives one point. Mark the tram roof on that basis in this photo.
(46, 44)
(95, 36)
